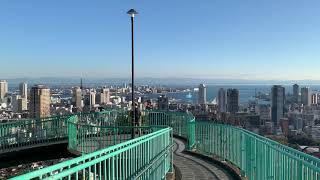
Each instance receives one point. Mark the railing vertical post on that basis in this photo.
(242, 155)
(300, 169)
(171, 165)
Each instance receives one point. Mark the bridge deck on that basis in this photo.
(193, 168)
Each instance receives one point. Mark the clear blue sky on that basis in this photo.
(249, 39)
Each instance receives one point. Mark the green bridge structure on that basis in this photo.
(105, 149)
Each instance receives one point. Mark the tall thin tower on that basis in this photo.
(222, 100)
(277, 104)
(202, 94)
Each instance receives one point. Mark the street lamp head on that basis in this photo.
(132, 12)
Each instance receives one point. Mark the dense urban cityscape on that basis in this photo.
(292, 119)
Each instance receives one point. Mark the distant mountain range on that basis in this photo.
(73, 81)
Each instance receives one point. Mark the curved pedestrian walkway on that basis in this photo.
(189, 167)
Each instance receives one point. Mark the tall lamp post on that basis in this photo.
(132, 13)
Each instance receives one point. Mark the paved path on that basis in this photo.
(193, 168)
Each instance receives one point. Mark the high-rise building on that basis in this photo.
(103, 96)
(202, 95)
(100, 98)
(19, 103)
(39, 101)
(277, 104)
(222, 100)
(106, 92)
(22, 105)
(77, 97)
(14, 102)
(163, 102)
(23, 87)
(232, 100)
(3, 90)
(314, 98)
(296, 93)
(90, 99)
(305, 96)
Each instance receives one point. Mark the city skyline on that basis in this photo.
(159, 90)
(210, 39)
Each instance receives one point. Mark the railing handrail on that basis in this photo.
(192, 118)
(258, 157)
(118, 127)
(281, 145)
(272, 143)
(23, 121)
(133, 143)
(106, 156)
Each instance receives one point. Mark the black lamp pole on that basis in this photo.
(132, 13)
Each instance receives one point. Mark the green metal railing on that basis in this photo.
(24, 133)
(257, 156)
(183, 124)
(145, 157)
(84, 138)
(108, 152)
(31, 132)
(28, 133)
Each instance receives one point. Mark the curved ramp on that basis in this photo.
(193, 168)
